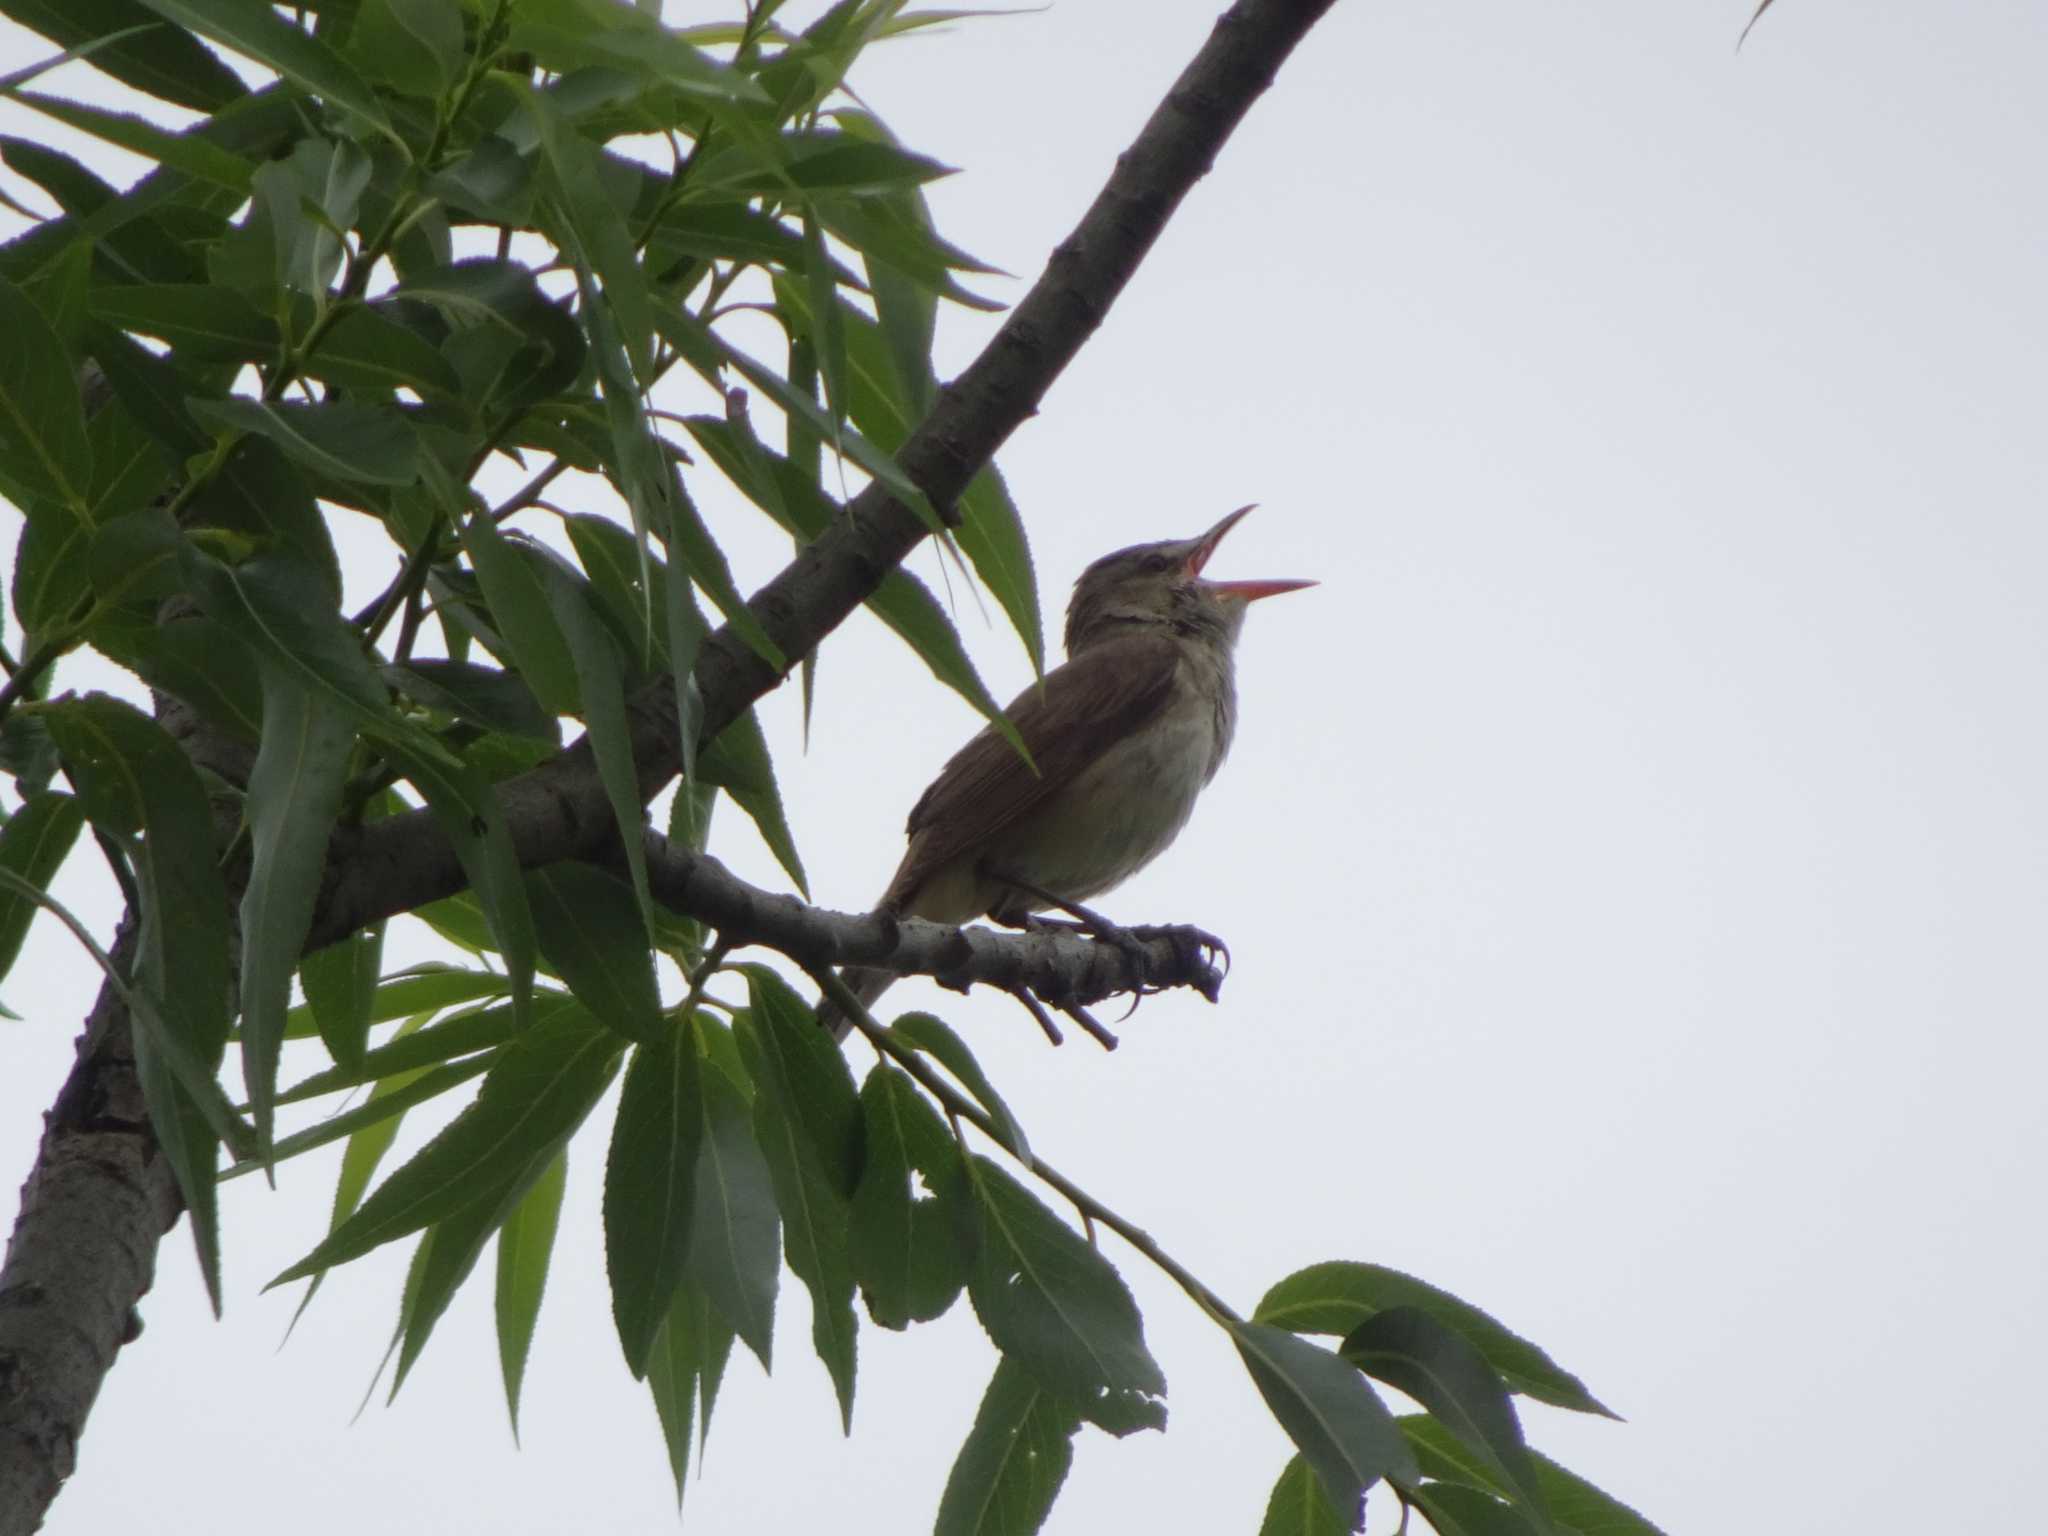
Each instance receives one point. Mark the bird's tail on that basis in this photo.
(867, 985)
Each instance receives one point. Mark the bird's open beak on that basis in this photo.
(1248, 591)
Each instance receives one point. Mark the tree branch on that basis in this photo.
(97, 1202)
(559, 810)
(1068, 970)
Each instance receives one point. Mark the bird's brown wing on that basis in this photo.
(1080, 710)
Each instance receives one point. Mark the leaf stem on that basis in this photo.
(961, 1107)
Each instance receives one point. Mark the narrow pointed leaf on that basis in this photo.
(186, 152)
(537, 1092)
(526, 1243)
(735, 1232)
(1335, 1297)
(293, 798)
(1051, 1300)
(259, 33)
(514, 588)
(650, 1178)
(925, 1033)
(1575, 1505)
(43, 445)
(806, 1120)
(339, 438)
(738, 763)
(907, 1251)
(372, 1111)
(201, 319)
(1014, 1460)
(1299, 1507)
(1409, 1349)
(1455, 1510)
(672, 1380)
(1328, 1411)
(164, 61)
(424, 988)
(601, 680)
(33, 845)
(132, 777)
(591, 932)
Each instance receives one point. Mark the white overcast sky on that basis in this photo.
(1634, 853)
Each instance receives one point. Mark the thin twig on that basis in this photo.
(959, 1106)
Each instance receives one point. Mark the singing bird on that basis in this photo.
(1123, 736)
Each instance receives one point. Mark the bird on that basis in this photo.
(1122, 736)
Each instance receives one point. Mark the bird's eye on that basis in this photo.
(1154, 564)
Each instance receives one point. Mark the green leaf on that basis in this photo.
(1050, 1300)
(204, 321)
(492, 182)
(1414, 1352)
(672, 1379)
(163, 62)
(485, 696)
(359, 1159)
(426, 988)
(527, 348)
(738, 762)
(536, 1093)
(595, 237)
(415, 46)
(811, 1074)
(340, 983)
(1455, 1510)
(1014, 1460)
(806, 1120)
(461, 1034)
(43, 446)
(33, 845)
(153, 389)
(449, 1251)
(1575, 1505)
(1299, 1507)
(1337, 1296)
(1328, 1411)
(378, 1108)
(367, 350)
(186, 152)
(347, 441)
(601, 680)
(525, 1244)
(907, 606)
(709, 353)
(191, 657)
(591, 932)
(991, 531)
(132, 777)
(259, 33)
(650, 1180)
(513, 586)
(129, 470)
(293, 799)
(691, 546)
(922, 1032)
(735, 1233)
(907, 1251)
(572, 33)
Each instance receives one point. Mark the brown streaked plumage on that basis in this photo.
(1123, 738)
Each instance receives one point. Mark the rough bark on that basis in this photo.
(97, 1201)
(99, 1197)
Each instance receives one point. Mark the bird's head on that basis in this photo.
(1162, 585)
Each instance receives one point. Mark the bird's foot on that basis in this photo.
(1192, 948)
